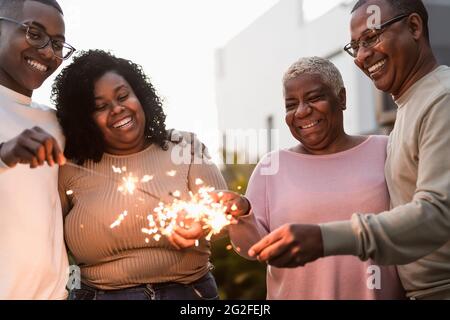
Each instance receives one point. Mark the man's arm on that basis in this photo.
(399, 236)
(414, 230)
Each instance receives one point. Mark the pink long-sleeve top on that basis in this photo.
(288, 187)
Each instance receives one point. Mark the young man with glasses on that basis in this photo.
(33, 260)
(415, 233)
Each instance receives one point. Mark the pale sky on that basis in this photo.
(174, 41)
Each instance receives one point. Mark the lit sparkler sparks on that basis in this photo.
(119, 220)
(171, 173)
(200, 208)
(129, 184)
(116, 170)
(166, 218)
(146, 178)
(176, 194)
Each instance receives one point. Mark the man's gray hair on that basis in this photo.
(316, 65)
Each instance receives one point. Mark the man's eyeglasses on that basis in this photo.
(372, 38)
(39, 39)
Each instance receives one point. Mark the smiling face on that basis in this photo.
(314, 113)
(22, 67)
(390, 62)
(119, 115)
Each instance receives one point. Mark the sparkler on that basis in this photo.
(201, 208)
(119, 220)
(127, 184)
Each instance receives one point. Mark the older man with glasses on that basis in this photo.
(33, 259)
(415, 233)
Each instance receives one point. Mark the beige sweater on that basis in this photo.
(415, 233)
(120, 257)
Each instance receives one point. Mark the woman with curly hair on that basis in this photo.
(112, 118)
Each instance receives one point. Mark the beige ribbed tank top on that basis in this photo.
(121, 257)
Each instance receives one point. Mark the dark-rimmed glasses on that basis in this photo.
(39, 39)
(373, 36)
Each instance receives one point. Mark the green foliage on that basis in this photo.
(237, 278)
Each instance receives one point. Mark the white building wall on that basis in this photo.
(250, 68)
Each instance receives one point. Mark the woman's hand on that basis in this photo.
(236, 204)
(182, 238)
(186, 237)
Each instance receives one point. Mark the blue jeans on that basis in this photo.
(203, 289)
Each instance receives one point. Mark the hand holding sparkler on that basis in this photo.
(186, 237)
(236, 204)
(34, 147)
(290, 246)
(199, 215)
(182, 222)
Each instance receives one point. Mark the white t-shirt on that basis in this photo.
(33, 258)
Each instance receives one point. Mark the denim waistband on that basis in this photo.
(151, 286)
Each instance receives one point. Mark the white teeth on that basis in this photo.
(36, 65)
(122, 123)
(310, 125)
(377, 66)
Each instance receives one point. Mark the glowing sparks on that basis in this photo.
(234, 207)
(116, 170)
(129, 184)
(176, 194)
(239, 188)
(69, 192)
(201, 208)
(229, 247)
(119, 220)
(146, 178)
(171, 173)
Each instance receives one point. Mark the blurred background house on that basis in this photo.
(249, 68)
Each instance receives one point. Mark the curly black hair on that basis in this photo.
(73, 96)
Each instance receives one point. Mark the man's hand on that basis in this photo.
(236, 204)
(290, 246)
(34, 147)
